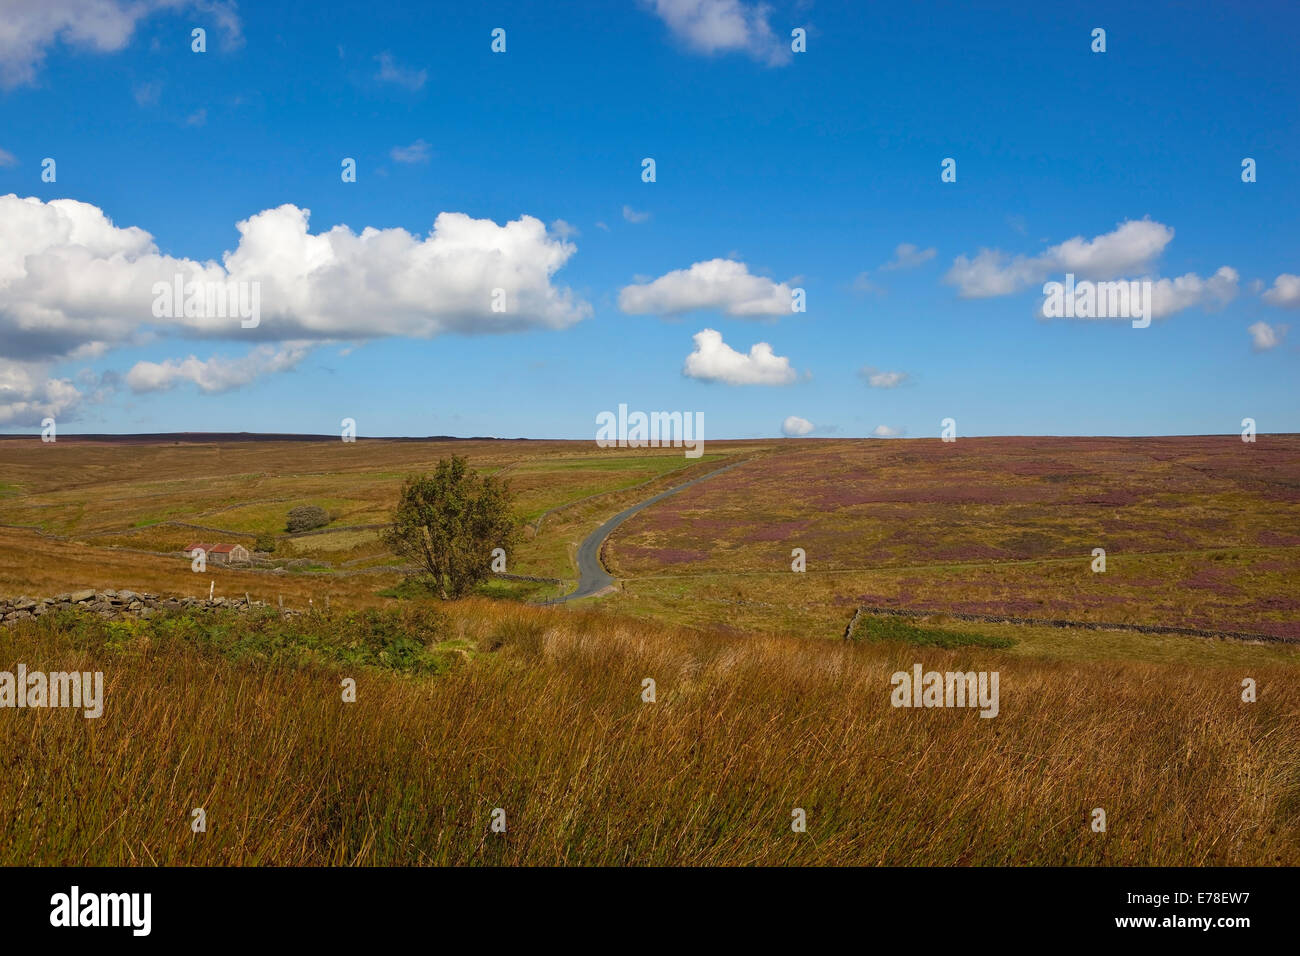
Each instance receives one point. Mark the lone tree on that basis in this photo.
(450, 522)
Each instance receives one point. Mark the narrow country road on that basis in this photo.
(592, 576)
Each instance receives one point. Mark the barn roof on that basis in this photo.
(214, 548)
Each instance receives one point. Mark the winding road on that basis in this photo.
(592, 576)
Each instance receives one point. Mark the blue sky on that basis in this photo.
(796, 170)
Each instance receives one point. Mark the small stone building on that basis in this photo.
(222, 553)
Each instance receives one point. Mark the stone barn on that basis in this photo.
(222, 553)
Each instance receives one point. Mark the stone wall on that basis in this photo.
(114, 604)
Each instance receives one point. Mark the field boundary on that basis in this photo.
(961, 565)
(171, 523)
(1058, 622)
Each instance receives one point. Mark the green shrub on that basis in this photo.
(406, 640)
(890, 628)
(306, 518)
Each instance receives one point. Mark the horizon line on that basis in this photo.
(315, 436)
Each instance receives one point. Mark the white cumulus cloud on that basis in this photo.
(28, 28)
(1130, 247)
(1264, 336)
(715, 361)
(885, 431)
(73, 285)
(1170, 295)
(724, 26)
(216, 374)
(1173, 295)
(1284, 292)
(71, 279)
(28, 394)
(722, 284)
(795, 426)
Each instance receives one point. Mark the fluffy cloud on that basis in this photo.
(722, 284)
(1173, 295)
(724, 26)
(908, 256)
(70, 279)
(885, 431)
(1285, 291)
(1132, 246)
(1182, 292)
(28, 395)
(217, 374)
(795, 426)
(715, 361)
(1264, 336)
(74, 285)
(30, 27)
(878, 379)
(631, 215)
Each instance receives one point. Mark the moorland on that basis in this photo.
(505, 701)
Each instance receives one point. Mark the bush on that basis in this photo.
(264, 543)
(306, 518)
(405, 639)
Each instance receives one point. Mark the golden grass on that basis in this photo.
(545, 720)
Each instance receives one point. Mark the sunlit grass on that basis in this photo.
(539, 712)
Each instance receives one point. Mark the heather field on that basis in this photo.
(1198, 532)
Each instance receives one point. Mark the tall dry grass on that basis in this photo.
(543, 718)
